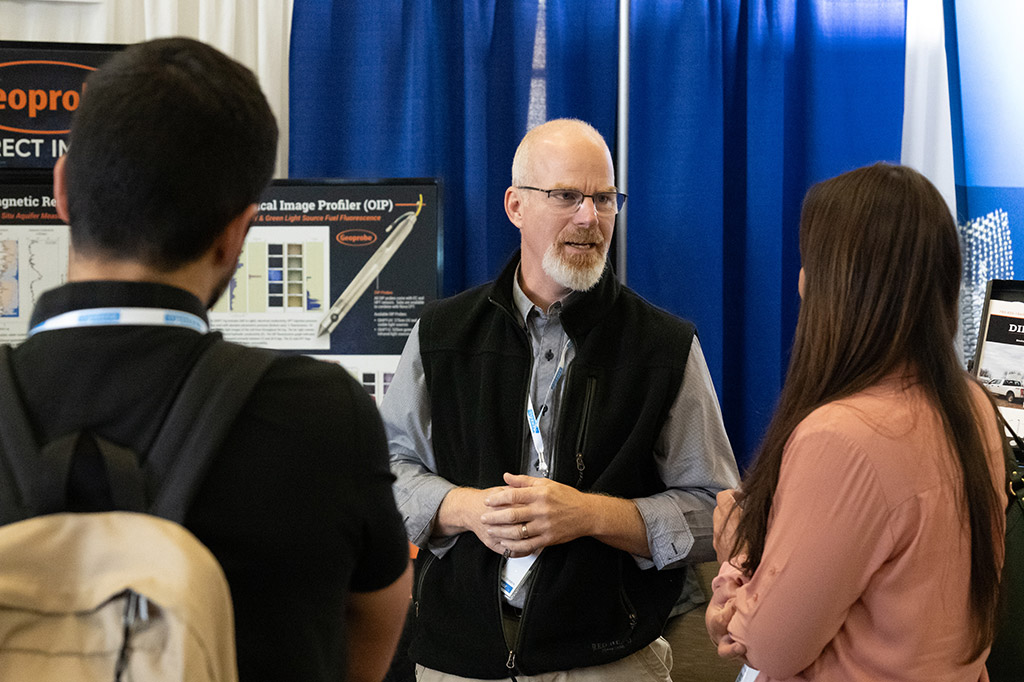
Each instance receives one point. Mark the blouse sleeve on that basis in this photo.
(827, 535)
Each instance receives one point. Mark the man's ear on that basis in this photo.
(60, 190)
(514, 206)
(229, 244)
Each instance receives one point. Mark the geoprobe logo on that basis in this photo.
(37, 97)
(356, 237)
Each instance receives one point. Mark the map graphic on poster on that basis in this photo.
(33, 258)
(9, 278)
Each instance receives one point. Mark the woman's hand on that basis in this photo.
(727, 517)
(720, 611)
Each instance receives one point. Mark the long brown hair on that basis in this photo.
(882, 267)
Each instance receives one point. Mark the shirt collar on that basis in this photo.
(524, 305)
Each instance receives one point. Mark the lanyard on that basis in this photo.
(96, 317)
(533, 418)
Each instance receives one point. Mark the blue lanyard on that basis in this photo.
(533, 418)
(102, 317)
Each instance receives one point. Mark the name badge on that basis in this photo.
(748, 674)
(514, 572)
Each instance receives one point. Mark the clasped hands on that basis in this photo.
(722, 606)
(526, 514)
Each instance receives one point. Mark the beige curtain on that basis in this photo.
(255, 32)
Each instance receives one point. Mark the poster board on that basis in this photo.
(339, 270)
(998, 360)
(41, 86)
(334, 269)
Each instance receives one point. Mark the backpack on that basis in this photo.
(118, 595)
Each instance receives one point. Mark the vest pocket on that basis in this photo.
(581, 435)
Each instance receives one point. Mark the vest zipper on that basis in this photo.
(510, 662)
(418, 591)
(631, 614)
(582, 433)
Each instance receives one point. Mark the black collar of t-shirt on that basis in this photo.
(111, 294)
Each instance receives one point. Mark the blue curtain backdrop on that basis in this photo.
(736, 107)
(417, 89)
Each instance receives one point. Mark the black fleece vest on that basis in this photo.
(589, 604)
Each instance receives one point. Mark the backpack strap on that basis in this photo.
(28, 480)
(34, 479)
(203, 413)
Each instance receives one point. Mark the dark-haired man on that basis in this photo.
(169, 152)
(557, 445)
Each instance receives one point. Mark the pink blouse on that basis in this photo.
(866, 564)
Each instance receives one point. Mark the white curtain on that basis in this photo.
(255, 32)
(927, 131)
(928, 135)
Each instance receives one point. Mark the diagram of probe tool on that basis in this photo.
(397, 231)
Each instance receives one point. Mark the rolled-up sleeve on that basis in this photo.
(695, 462)
(418, 489)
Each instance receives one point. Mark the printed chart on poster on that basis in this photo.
(337, 270)
(33, 252)
(999, 358)
(275, 299)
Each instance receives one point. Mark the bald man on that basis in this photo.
(557, 446)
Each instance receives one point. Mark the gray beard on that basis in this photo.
(569, 275)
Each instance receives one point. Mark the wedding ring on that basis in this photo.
(522, 531)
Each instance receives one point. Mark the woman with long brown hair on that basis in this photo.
(867, 541)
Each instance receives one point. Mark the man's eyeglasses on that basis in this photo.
(569, 200)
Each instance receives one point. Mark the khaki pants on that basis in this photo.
(651, 664)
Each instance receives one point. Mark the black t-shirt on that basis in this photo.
(297, 506)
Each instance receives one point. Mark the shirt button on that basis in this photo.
(549, 355)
